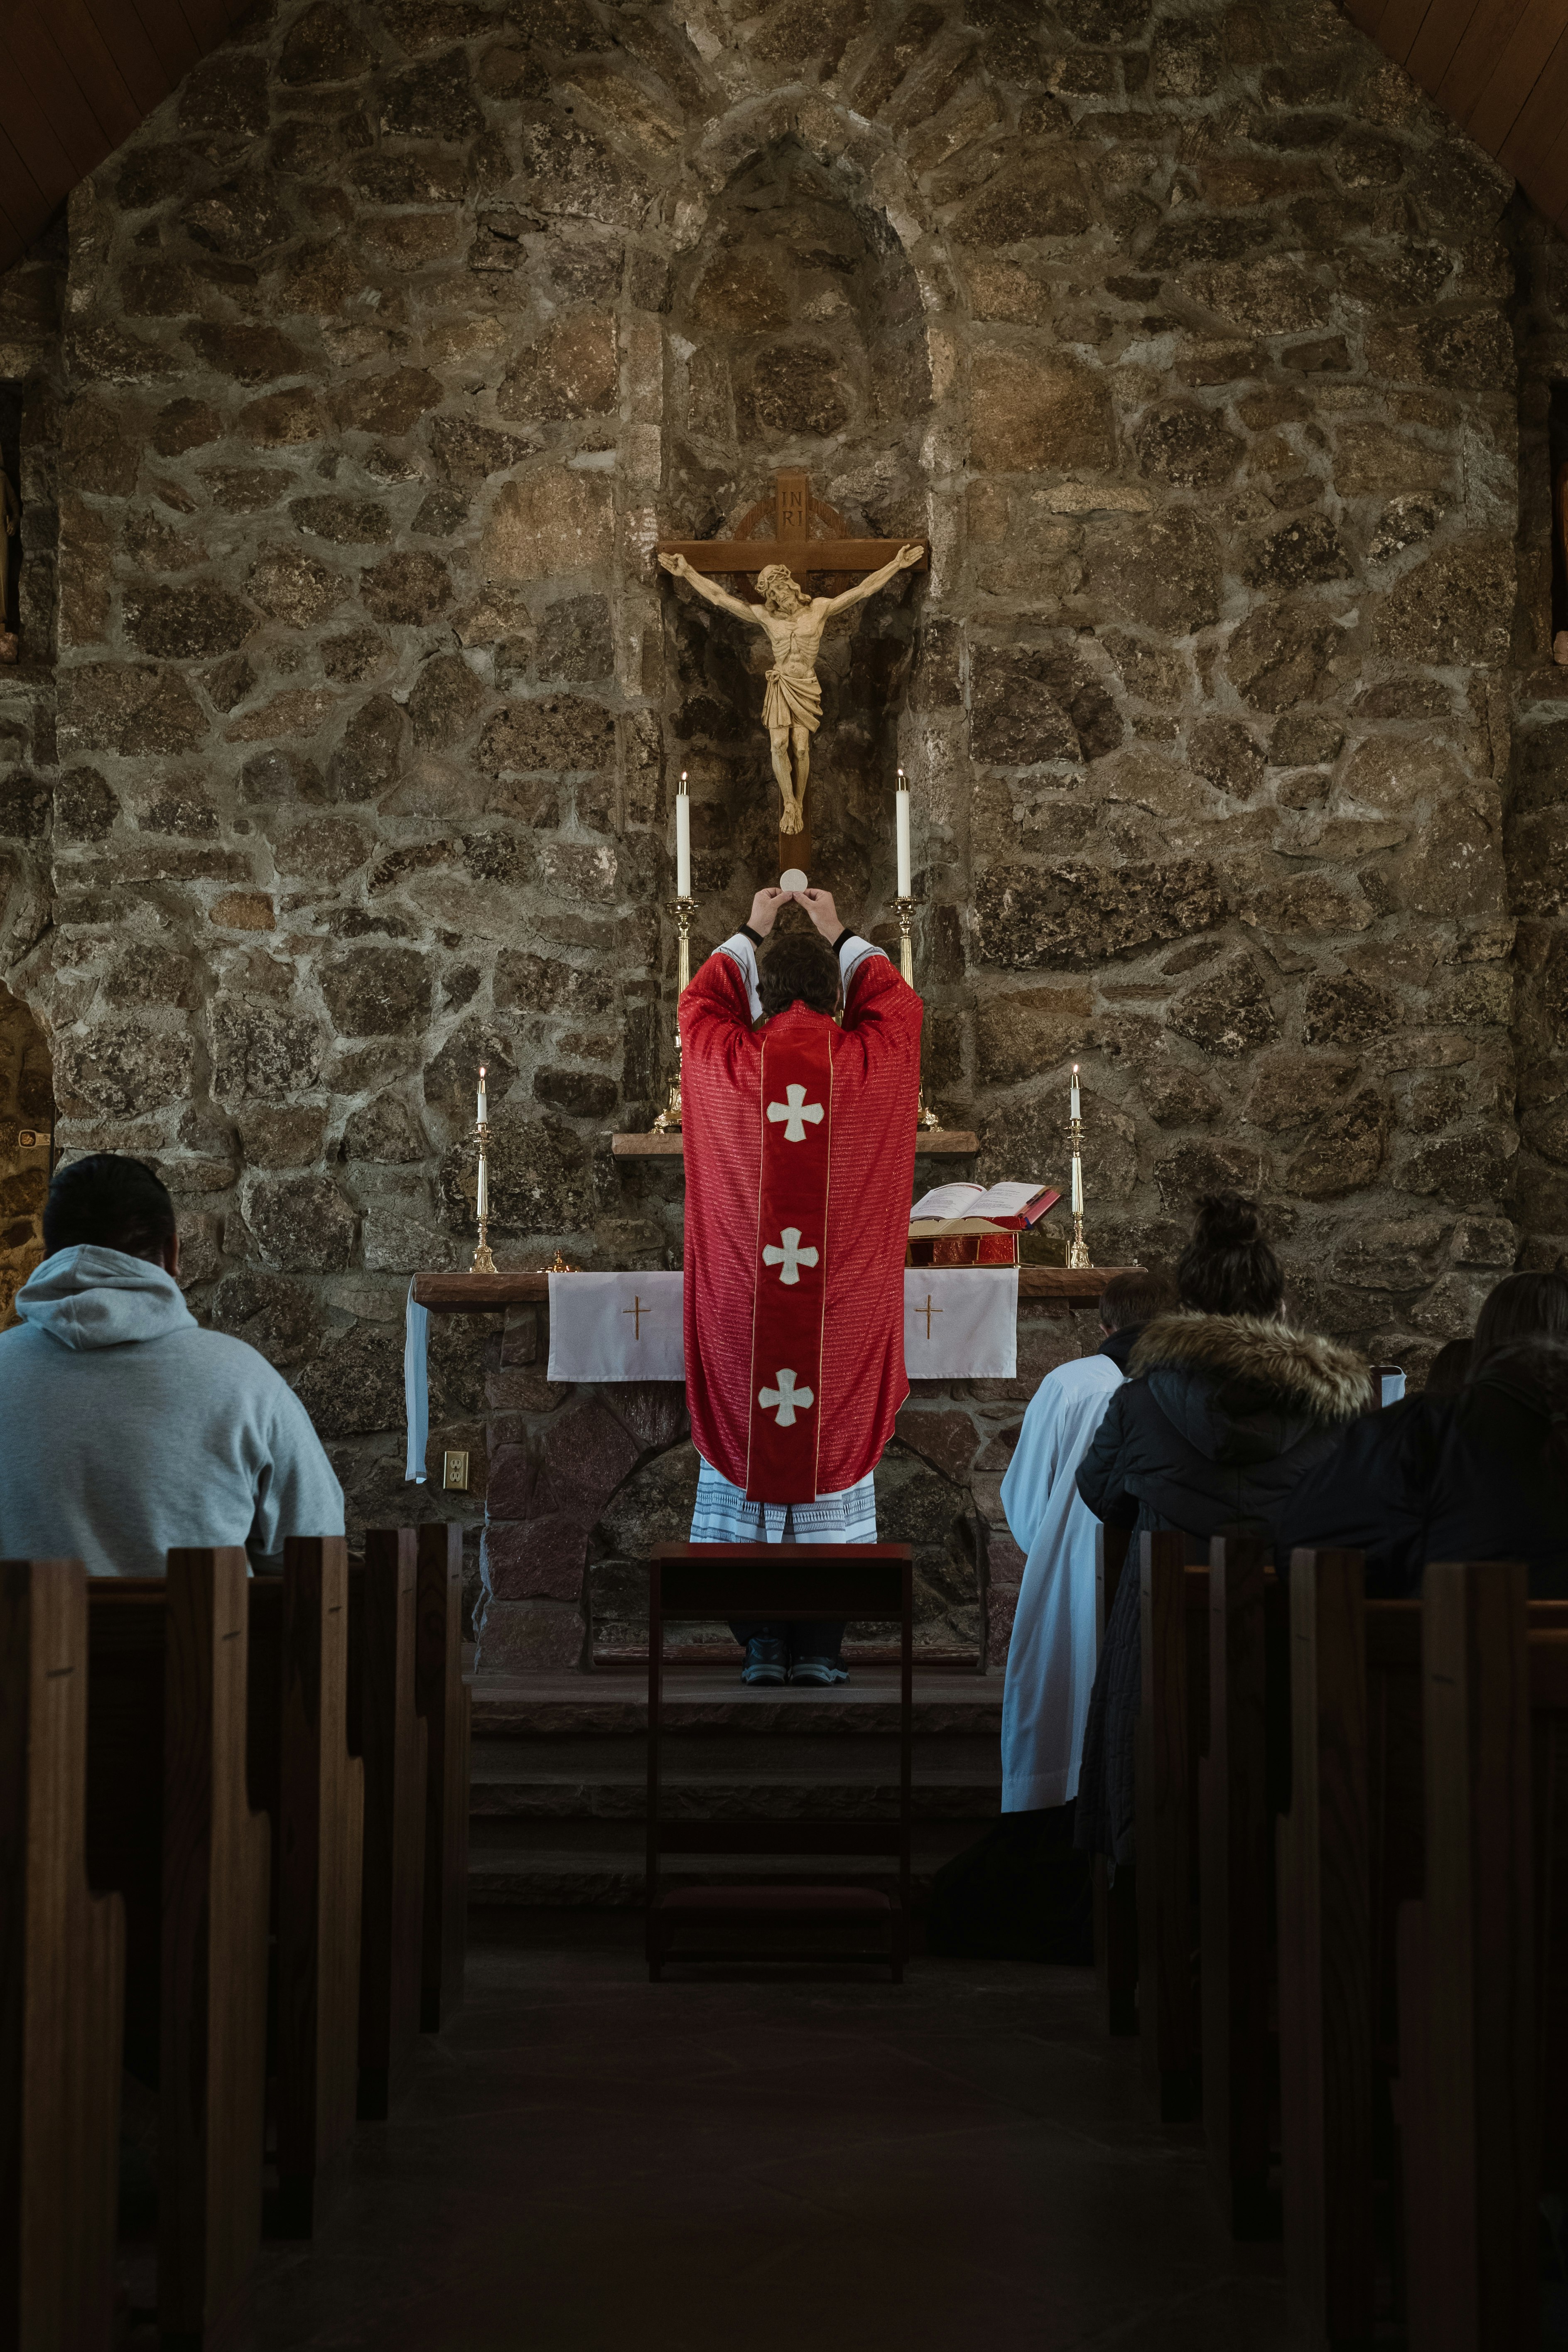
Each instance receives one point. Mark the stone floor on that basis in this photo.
(586, 2160)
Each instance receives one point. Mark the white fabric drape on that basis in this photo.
(616, 1327)
(969, 1329)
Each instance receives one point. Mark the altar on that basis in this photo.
(580, 1478)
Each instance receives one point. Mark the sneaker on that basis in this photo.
(817, 1670)
(765, 1660)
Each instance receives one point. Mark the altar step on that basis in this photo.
(558, 1812)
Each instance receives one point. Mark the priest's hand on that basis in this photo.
(819, 905)
(765, 907)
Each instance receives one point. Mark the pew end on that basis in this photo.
(1237, 1799)
(445, 1702)
(320, 1849)
(1173, 1602)
(394, 1742)
(62, 1980)
(1114, 1899)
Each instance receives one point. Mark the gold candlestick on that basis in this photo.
(1078, 1248)
(483, 1264)
(668, 1121)
(905, 910)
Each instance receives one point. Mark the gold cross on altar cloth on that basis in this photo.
(928, 1310)
(808, 535)
(637, 1310)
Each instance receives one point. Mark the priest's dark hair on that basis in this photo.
(1520, 1307)
(1134, 1298)
(106, 1199)
(800, 968)
(1227, 1268)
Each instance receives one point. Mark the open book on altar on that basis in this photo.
(975, 1224)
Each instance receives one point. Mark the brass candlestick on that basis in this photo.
(1078, 1248)
(905, 910)
(668, 1121)
(483, 1262)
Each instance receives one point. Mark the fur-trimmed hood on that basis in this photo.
(1243, 1387)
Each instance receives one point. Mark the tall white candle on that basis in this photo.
(901, 803)
(1075, 1111)
(483, 1113)
(682, 840)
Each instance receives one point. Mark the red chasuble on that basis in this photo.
(800, 1144)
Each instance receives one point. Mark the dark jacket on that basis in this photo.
(1222, 1415)
(1468, 1476)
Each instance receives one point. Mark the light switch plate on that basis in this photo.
(455, 1472)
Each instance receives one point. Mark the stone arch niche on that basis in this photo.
(27, 1107)
(796, 338)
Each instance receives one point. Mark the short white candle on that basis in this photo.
(483, 1113)
(682, 840)
(901, 803)
(1075, 1112)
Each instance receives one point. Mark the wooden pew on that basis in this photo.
(1115, 1905)
(1242, 1780)
(1172, 1723)
(312, 1789)
(443, 1700)
(1352, 1854)
(62, 1981)
(386, 1730)
(170, 1827)
(1495, 1691)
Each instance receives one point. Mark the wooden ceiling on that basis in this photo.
(1499, 67)
(76, 79)
(78, 76)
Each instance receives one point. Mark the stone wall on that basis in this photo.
(388, 347)
(27, 1107)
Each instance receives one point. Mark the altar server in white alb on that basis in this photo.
(1052, 1660)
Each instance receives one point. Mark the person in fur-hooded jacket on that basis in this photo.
(1225, 1409)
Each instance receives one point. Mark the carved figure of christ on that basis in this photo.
(792, 705)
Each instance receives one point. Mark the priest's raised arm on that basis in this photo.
(799, 1143)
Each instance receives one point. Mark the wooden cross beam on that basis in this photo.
(792, 509)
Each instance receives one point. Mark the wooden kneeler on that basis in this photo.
(62, 1981)
(445, 1702)
(393, 1739)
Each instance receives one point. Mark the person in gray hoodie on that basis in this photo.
(125, 1429)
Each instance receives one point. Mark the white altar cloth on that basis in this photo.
(959, 1323)
(616, 1327)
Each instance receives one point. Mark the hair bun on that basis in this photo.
(1225, 1221)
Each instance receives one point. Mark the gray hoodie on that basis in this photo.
(125, 1429)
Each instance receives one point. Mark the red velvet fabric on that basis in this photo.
(876, 1086)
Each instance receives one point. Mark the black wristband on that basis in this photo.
(848, 932)
(755, 937)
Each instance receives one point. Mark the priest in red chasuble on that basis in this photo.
(800, 1144)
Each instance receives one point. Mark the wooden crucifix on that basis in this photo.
(807, 538)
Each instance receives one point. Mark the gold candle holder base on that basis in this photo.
(1078, 1259)
(668, 1121)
